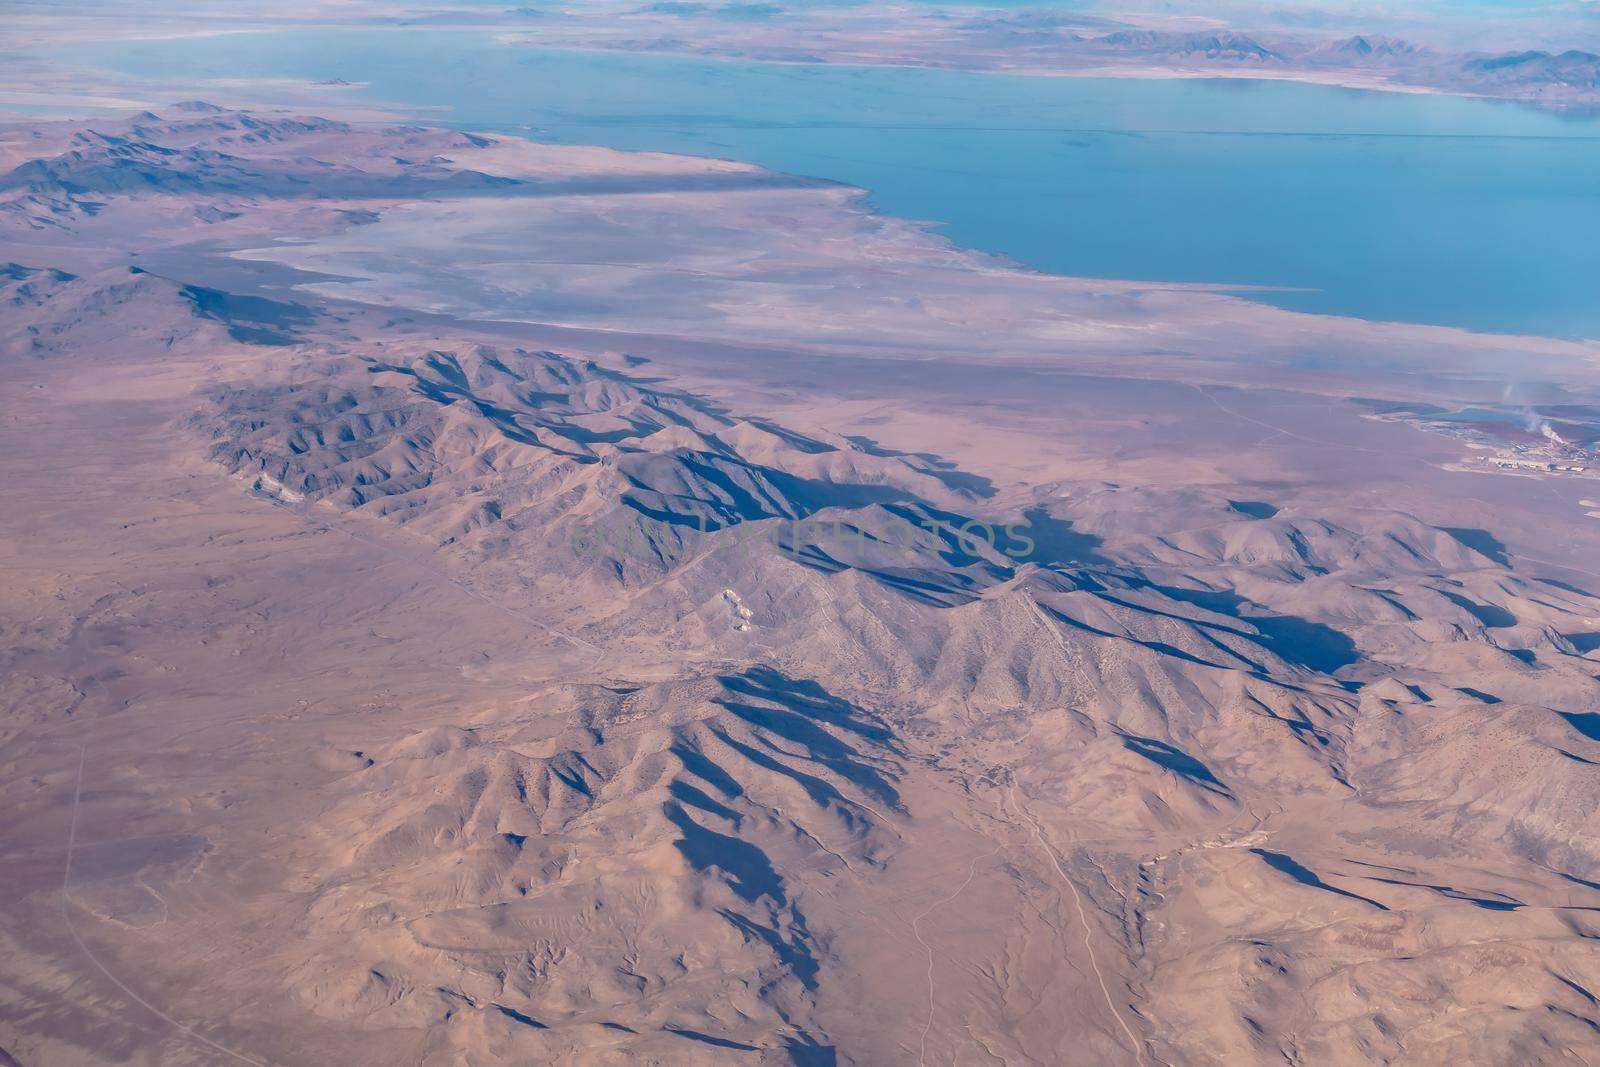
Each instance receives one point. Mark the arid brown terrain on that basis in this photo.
(475, 602)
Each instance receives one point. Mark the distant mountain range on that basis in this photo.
(1065, 41)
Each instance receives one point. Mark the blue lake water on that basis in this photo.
(1414, 208)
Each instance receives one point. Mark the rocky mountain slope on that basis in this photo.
(399, 688)
(1208, 673)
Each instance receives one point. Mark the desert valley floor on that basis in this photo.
(477, 602)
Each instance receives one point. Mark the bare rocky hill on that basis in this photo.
(407, 689)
